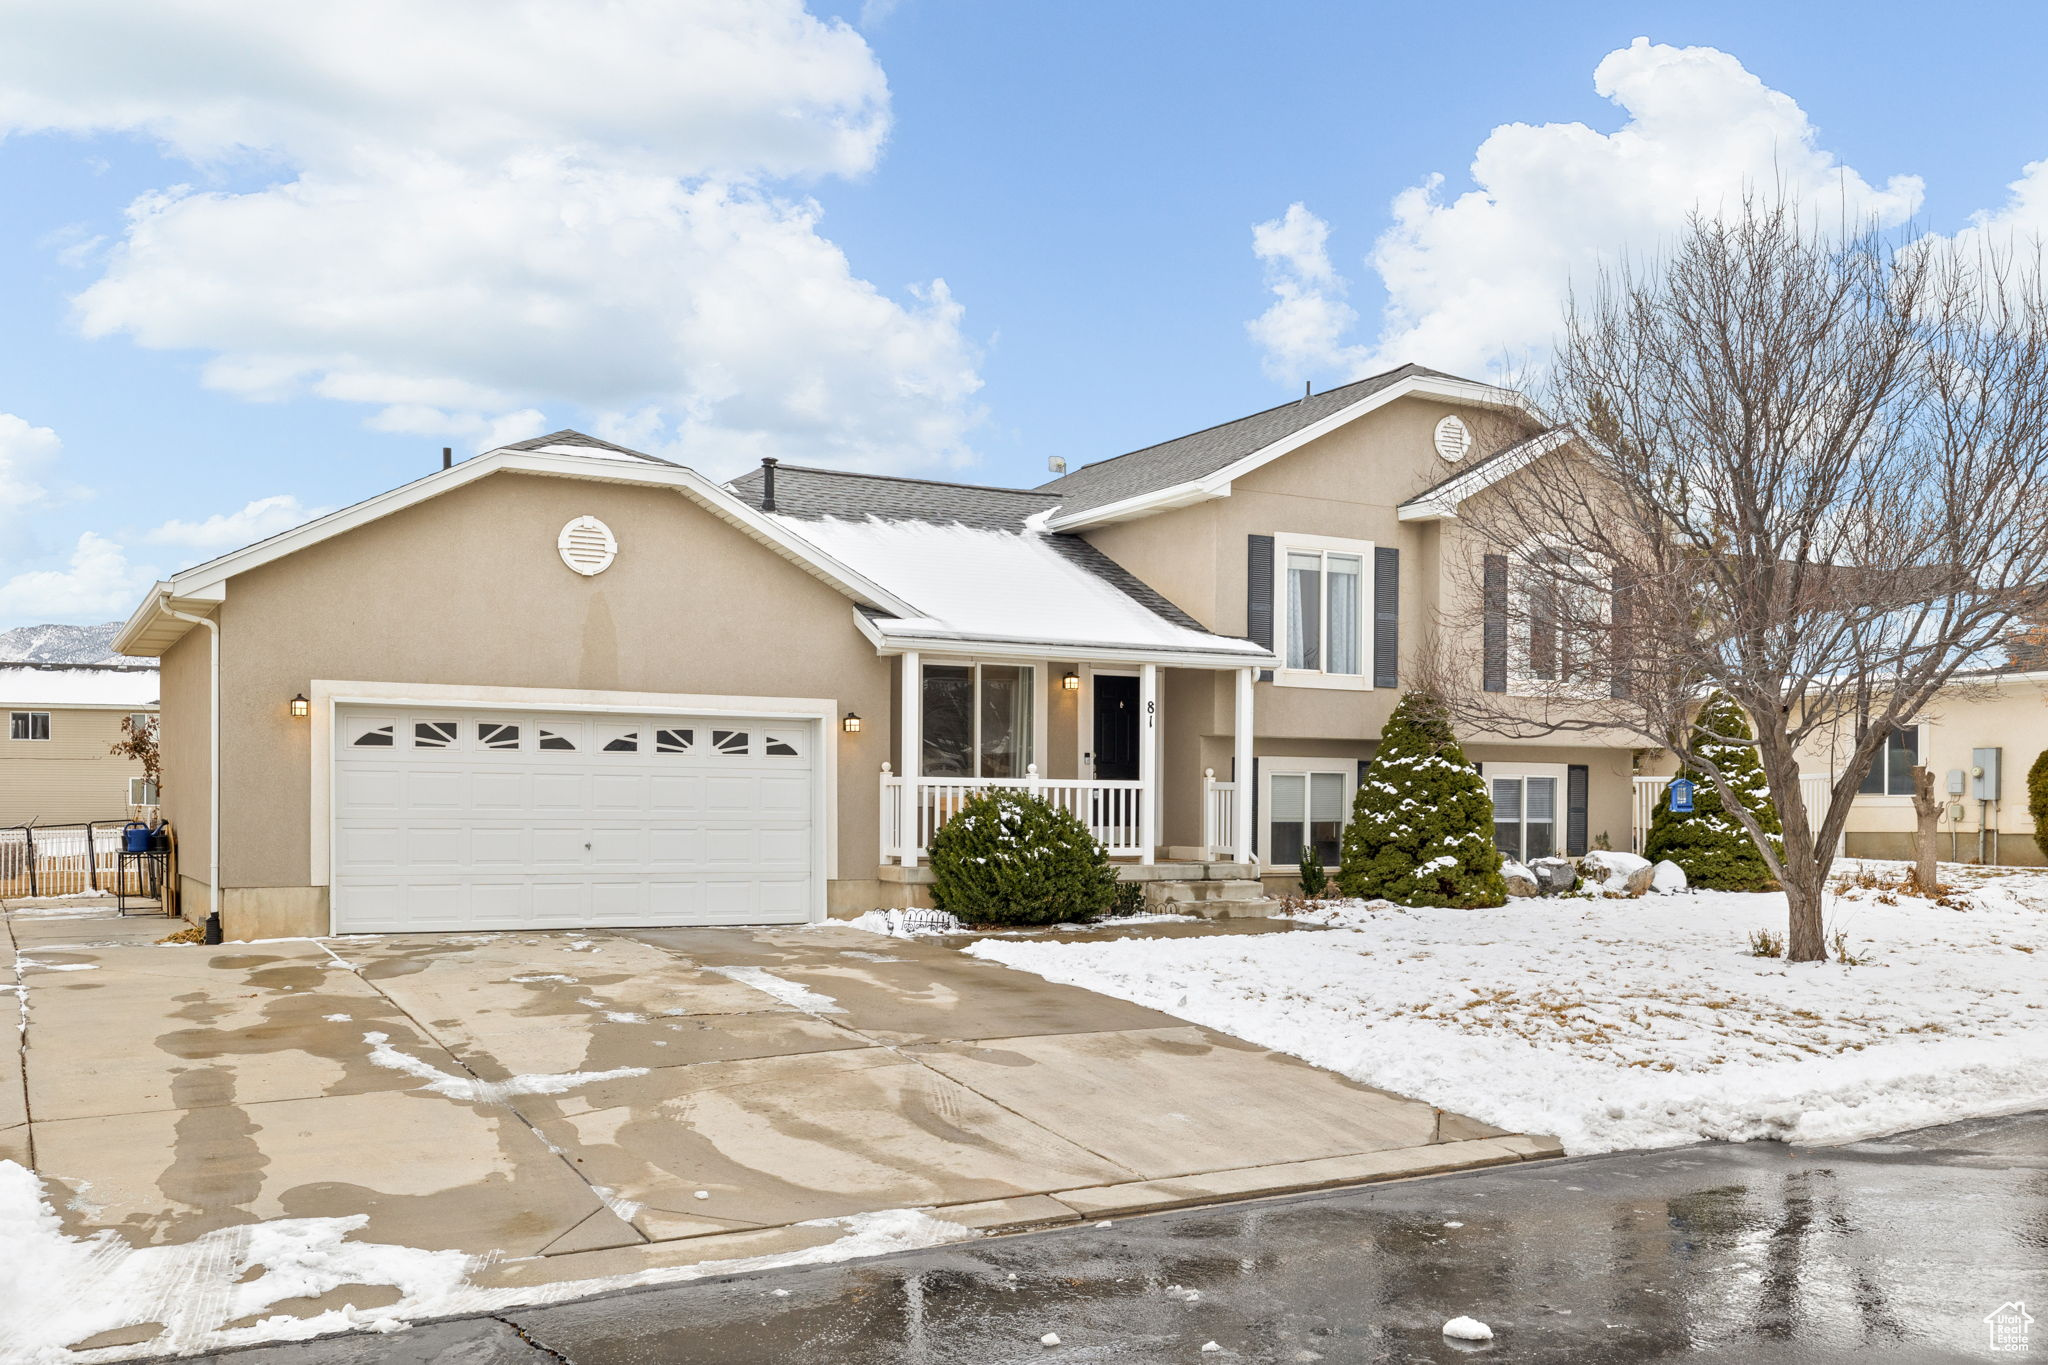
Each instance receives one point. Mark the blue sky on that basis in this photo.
(714, 230)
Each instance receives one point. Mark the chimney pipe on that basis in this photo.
(447, 457)
(768, 463)
(1308, 388)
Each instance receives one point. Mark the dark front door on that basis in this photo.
(1116, 728)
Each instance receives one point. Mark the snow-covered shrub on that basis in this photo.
(1009, 858)
(2037, 800)
(1421, 830)
(1709, 842)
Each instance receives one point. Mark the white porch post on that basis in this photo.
(1241, 773)
(910, 727)
(1148, 763)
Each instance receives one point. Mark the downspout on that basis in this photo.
(213, 926)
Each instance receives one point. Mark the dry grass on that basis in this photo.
(1765, 943)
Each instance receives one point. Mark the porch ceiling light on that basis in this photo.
(851, 724)
(301, 708)
(1071, 682)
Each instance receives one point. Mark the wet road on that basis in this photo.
(1881, 1252)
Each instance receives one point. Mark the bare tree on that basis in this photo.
(1926, 830)
(1810, 472)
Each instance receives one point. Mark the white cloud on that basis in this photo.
(98, 584)
(1481, 277)
(480, 209)
(257, 520)
(24, 450)
(1302, 332)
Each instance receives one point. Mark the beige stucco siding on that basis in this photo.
(467, 589)
(70, 777)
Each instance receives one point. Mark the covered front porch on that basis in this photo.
(1086, 734)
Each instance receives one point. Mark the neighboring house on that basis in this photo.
(61, 722)
(562, 683)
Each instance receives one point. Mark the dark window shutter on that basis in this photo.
(1575, 780)
(1620, 608)
(1258, 595)
(1494, 633)
(1386, 617)
(1258, 844)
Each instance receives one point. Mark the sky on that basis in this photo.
(258, 261)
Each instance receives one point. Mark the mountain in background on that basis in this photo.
(62, 645)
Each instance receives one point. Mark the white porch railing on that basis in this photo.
(1813, 790)
(1219, 817)
(913, 808)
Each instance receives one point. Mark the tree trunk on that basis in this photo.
(1926, 827)
(1805, 888)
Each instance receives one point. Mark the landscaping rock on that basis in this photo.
(1667, 877)
(1619, 874)
(1554, 876)
(1521, 881)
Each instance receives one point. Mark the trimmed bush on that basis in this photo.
(1421, 830)
(1709, 843)
(1010, 858)
(2037, 800)
(1315, 882)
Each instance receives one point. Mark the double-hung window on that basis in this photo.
(1892, 772)
(1307, 802)
(1525, 808)
(1322, 607)
(977, 719)
(28, 725)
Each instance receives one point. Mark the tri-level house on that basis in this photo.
(563, 683)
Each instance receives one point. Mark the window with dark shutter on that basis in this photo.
(1494, 631)
(1258, 590)
(1619, 608)
(1386, 617)
(1575, 783)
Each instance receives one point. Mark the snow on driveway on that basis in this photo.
(1632, 1023)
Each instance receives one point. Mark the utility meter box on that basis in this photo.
(1984, 777)
(1957, 781)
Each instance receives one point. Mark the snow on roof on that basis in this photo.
(980, 582)
(76, 685)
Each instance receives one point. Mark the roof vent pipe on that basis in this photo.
(447, 457)
(768, 483)
(1308, 389)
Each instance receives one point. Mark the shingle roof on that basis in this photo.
(1483, 473)
(801, 491)
(808, 494)
(1204, 452)
(567, 437)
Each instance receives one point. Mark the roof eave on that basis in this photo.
(900, 641)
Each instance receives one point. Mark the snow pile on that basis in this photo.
(1468, 1329)
(905, 923)
(788, 992)
(1630, 1023)
(472, 1090)
(78, 685)
(62, 1289)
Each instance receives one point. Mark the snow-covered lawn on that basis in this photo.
(1621, 1023)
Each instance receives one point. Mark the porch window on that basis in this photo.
(1324, 605)
(1307, 812)
(1892, 772)
(977, 719)
(1524, 813)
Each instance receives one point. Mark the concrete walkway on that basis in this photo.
(590, 1104)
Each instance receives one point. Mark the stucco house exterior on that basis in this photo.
(563, 683)
(62, 721)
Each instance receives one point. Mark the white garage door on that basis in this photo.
(447, 818)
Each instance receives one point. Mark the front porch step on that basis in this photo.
(1210, 899)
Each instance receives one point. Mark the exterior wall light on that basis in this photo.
(851, 724)
(301, 708)
(1071, 682)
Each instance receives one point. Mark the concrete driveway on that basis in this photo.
(588, 1104)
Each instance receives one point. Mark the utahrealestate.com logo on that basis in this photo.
(2008, 1326)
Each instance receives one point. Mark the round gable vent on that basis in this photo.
(587, 545)
(1452, 438)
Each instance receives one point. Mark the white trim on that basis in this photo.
(1040, 670)
(1084, 716)
(1241, 768)
(329, 694)
(147, 631)
(894, 637)
(1442, 504)
(1148, 763)
(1560, 802)
(1217, 484)
(31, 712)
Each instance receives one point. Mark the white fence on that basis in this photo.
(1219, 816)
(913, 808)
(1814, 790)
(60, 860)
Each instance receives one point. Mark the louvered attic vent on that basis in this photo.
(587, 546)
(1452, 438)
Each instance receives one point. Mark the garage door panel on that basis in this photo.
(461, 817)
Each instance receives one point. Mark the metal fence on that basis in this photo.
(63, 860)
